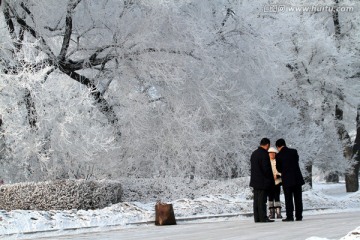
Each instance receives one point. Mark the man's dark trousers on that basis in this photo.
(260, 205)
(296, 192)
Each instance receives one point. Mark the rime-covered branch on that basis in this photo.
(163, 50)
(32, 31)
(68, 28)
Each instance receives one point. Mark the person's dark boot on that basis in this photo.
(272, 213)
(267, 220)
(278, 212)
(271, 210)
(288, 220)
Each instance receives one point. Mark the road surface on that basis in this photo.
(330, 226)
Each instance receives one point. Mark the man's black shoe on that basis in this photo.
(267, 220)
(299, 219)
(288, 220)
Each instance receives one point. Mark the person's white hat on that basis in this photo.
(273, 150)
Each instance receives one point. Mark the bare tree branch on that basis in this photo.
(68, 29)
(71, 65)
(26, 27)
(10, 24)
(27, 10)
(104, 107)
(156, 99)
(154, 50)
(229, 12)
(100, 50)
(48, 74)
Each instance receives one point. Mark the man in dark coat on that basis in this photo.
(261, 179)
(287, 163)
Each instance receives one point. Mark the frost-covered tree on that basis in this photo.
(210, 115)
(172, 74)
(319, 87)
(29, 64)
(346, 34)
(160, 88)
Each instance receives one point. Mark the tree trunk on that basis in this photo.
(336, 22)
(343, 135)
(2, 140)
(332, 177)
(344, 138)
(308, 178)
(352, 177)
(31, 110)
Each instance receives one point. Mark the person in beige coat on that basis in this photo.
(274, 194)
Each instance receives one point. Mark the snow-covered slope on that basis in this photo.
(355, 234)
(15, 224)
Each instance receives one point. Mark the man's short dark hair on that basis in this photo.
(280, 143)
(264, 141)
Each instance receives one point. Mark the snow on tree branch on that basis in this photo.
(157, 88)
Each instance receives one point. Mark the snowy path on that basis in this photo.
(330, 226)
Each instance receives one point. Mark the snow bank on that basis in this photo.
(331, 196)
(202, 199)
(355, 234)
(168, 189)
(62, 194)
(18, 222)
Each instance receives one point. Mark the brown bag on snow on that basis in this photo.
(164, 214)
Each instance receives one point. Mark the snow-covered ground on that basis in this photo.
(328, 226)
(331, 198)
